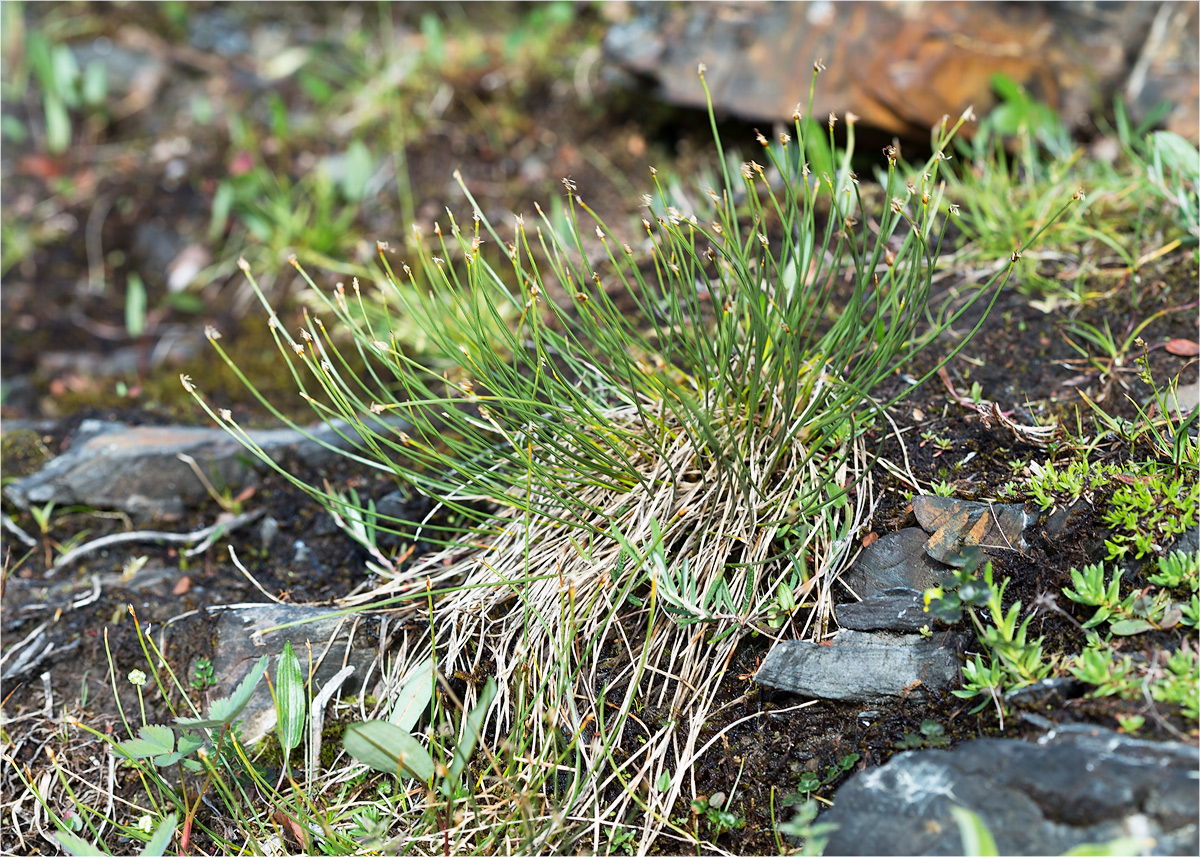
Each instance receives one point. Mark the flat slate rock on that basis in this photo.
(863, 667)
(1069, 788)
(897, 610)
(955, 524)
(137, 469)
(894, 561)
(246, 632)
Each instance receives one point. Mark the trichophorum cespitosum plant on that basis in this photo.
(639, 455)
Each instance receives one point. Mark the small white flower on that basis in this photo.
(137, 678)
(145, 824)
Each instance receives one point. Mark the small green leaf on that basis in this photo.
(151, 741)
(358, 169)
(94, 87)
(1122, 846)
(135, 305)
(472, 724)
(290, 699)
(222, 204)
(225, 710)
(977, 840)
(58, 124)
(388, 748)
(1129, 627)
(157, 846)
(663, 782)
(75, 846)
(414, 697)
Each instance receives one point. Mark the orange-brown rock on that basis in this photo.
(901, 66)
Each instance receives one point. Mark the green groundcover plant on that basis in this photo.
(639, 455)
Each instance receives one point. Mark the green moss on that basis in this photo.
(22, 452)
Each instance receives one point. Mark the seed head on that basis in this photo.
(762, 140)
(851, 118)
(784, 138)
(701, 68)
(819, 66)
(211, 333)
(1079, 194)
(243, 264)
(186, 380)
(832, 119)
(226, 414)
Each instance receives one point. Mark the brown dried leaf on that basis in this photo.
(1183, 347)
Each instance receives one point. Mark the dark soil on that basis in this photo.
(63, 348)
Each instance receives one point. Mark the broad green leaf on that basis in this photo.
(357, 171)
(58, 124)
(388, 748)
(1122, 846)
(221, 205)
(151, 741)
(157, 846)
(94, 87)
(977, 840)
(414, 697)
(472, 724)
(290, 700)
(1177, 153)
(75, 846)
(225, 710)
(135, 305)
(1129, 627)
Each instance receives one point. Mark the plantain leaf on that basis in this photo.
(388, 748)
(290, 699)
(413, 698)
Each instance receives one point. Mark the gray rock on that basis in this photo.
(898, 610)
(895, 561)
(246, 632)
(1188, 541)
(137, 469)
(955, 525)
(1069, 788)
(862, 667)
